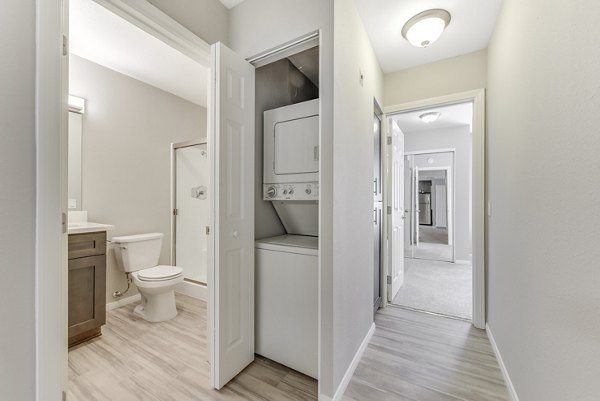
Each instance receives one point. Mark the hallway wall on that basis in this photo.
(17, 200)
(445, 77)
(352, 183)
(208, 19)
(543, 253)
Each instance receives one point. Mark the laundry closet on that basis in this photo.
(286, 206)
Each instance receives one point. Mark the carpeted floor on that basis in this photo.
(433, 234)
(426, 250)
(435, 286)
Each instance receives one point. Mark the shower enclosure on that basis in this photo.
(190, 209)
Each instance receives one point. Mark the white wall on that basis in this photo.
(253, 30)
(17, 200)
(353, 183)
(543, 253)
(445, 77)
(208, 19)
(127, 131)
(460, 139)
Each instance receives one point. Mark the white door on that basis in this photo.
(415, 206)
(193, 209)
(231, 248)
(396, 226)
(408, 206)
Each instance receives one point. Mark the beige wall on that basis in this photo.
(208, 19)
(353, 183)
(543, 256)
(445, 77)
(17, 200)
(127, 131)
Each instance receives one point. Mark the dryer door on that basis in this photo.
(297, 146)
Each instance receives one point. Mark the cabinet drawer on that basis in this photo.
(88, 244)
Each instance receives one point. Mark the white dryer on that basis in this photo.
(287, 301)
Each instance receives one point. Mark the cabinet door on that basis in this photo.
(87, 294)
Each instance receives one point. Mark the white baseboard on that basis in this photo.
(123, 302)
(198, 291)
(509, 386)
(462, 262)
(339, 393)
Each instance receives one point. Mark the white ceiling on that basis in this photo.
(469, 30)
(456, 115)
(102, 37)
(231, 3)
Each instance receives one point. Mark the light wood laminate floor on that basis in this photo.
(415, 356)
(137, 360)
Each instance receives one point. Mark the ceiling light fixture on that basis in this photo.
(430, 117)
(425, 28)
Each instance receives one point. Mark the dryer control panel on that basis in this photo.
(296, 191)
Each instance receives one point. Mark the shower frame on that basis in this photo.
(174, 147)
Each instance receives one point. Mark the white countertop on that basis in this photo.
(78, 224)
(88, 227)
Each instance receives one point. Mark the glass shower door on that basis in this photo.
(191, 174)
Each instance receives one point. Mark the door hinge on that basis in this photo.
(207, 230)
(389, 279)
(389, 140)
(64, 223)
(389, 210)
(175, 212)
(65, 45)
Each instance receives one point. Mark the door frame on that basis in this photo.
(449, 173)
(477, 97)
(452, 178)
(383, 238)
(51, 108)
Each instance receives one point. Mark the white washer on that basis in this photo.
(287, 301)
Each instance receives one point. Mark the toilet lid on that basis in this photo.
(158, 273)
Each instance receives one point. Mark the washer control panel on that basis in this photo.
(295, 191)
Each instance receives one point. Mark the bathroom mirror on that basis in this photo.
(74, 171)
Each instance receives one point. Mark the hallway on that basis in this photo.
(414, 356)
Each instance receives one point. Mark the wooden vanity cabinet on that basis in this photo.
(87, 286)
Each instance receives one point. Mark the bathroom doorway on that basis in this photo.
(190, 214)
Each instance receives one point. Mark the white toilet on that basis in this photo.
(138, 255)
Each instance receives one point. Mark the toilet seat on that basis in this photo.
(159, 273)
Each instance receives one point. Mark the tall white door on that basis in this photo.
(408, 206)
(397, 217)
(231, 247)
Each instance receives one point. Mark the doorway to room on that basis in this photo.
(437, 209)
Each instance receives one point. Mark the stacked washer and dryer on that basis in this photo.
(287, 265)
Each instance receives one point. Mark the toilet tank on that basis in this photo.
(137, 252)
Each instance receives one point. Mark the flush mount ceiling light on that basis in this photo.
(425, 28)
(430, 117)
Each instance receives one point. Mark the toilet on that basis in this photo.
(138, 255)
